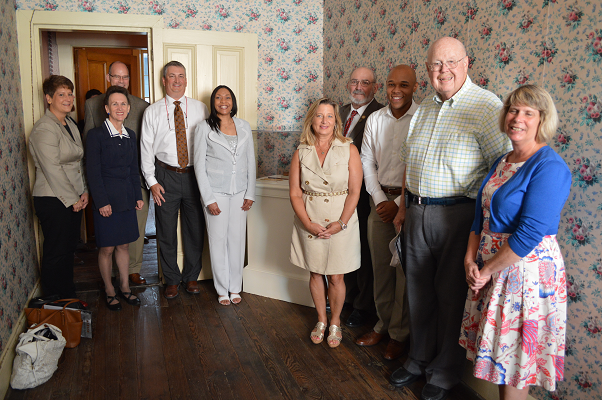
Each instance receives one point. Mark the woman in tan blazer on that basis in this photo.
(60, 192)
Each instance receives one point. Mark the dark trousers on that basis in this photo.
(435, 244)
(61, 228)
(181, 195)
(359, 283)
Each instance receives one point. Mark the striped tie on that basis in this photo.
(348, 123)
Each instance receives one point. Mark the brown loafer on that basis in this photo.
(192, 287)
(171, 291)
(137, 279)
(394, 349)
(369, 339)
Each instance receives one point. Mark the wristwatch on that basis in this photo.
(343, 226)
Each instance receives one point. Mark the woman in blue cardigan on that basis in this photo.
(224, 165)
(514, 321)
(114, 181)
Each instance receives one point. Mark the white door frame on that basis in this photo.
(29, 26)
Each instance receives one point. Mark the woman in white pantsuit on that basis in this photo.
(224, 164)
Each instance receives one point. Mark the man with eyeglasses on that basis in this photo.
(95, 115)
(452, 142)
(167, 154)
(359, 283)
(385, 133)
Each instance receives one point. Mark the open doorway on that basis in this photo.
(85, 57)
(210, 58)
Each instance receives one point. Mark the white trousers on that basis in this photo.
(227, 242)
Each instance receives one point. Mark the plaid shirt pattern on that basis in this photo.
(451, 145)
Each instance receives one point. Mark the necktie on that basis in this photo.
(348, 123)
(181, 144)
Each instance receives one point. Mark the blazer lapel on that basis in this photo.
(243, 135)
(309, 158)
(219, 139)
(62, 128)
(359, 126)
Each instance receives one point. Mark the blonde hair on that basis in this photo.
(308, 135)
(539, 99)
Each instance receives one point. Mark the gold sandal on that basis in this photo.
(332, 337)
(317, 335)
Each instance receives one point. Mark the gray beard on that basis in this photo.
(357, 102)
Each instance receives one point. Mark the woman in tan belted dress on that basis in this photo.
(325, 183)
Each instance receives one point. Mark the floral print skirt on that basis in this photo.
(514, 328)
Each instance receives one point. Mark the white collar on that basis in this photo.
(114, 132)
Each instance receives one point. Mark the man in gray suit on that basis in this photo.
(360, 291)
(95, 114)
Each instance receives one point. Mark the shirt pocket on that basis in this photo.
(460, 149)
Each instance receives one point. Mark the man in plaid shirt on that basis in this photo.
(452, 143)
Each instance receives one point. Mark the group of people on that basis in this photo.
(463, 183)
(468, 191)
(170, 149)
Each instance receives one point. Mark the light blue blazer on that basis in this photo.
(217, 169)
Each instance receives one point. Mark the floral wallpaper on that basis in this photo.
(309, 47)
(289, 33)
(554, 43)
(18, 261)
(289, 76)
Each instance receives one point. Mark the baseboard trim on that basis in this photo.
(8, 355)
(286, 288)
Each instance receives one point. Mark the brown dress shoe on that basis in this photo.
(192, 287)
(394, 349)
(171, 291)
(137, 279)
(369, 339)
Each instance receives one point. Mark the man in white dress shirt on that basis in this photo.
(167, 152)
(386, 131)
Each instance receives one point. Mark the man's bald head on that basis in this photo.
(119, 75)
(445, 80)
(401, 85)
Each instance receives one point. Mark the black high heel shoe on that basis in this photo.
(113, 307)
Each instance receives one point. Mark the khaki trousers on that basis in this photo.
(136, 248)
(389, 282)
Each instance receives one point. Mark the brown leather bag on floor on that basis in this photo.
(69, 321)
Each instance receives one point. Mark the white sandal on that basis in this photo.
(225, 299)
(317, 335)
(333, 336)
(235, 296)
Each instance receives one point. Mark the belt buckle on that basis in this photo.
(419, 199)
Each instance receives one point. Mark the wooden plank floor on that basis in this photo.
(193, 348)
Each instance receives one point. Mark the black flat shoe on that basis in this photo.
(402, 377)
(113, 307)
(433, 392)
(128, 297)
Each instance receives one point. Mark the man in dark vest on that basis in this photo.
(360, 291)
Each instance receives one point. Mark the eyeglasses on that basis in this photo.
(364, 83)
(437, 66)
(120, 77)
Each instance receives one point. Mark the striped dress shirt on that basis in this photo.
(451, 145)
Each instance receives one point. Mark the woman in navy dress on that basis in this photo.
(114, 181)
